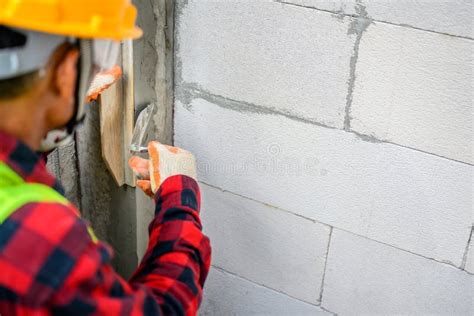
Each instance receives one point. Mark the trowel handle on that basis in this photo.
(143, 124)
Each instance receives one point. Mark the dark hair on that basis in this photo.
(15, 87)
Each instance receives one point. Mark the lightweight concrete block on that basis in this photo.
(414, 88)
(365, 277)
(415, 201)
(445, 16)
(227, 294)
(279, 57)
(265, 245)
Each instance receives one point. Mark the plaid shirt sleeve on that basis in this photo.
(51, 266)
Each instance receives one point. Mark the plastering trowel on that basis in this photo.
(143, 125)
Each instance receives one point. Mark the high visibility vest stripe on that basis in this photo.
(15, 193)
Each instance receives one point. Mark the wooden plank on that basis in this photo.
(111, 131)
(129, 108)
(117, 110)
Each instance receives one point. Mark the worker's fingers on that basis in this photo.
(140, 167)
(145, 185)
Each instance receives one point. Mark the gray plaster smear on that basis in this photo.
(228, 294)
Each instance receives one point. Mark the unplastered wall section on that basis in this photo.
(334, 144)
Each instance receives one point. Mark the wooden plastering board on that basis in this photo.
(117, 112)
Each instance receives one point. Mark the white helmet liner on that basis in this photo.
(33, 56)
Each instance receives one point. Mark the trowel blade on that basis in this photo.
(142, 127)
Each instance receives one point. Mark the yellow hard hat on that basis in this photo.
(107, 19)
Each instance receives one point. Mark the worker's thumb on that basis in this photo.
(145, 185)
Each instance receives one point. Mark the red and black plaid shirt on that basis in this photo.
(49, 265)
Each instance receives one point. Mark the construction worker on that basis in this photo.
(50, 260)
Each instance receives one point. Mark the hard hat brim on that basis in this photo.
(66, 30)
(114, 20)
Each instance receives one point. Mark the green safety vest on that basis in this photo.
(15, 193)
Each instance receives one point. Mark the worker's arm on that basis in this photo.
(170, 278)
(171, 275)
(177, 260)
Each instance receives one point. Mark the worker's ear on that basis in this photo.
(65, 73)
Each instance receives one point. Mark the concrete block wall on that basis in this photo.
(367, 277)
(334, 144)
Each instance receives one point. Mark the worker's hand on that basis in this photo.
(102, 81)
(165, 161)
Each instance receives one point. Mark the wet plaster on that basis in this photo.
(357, 28)
(109, 208)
